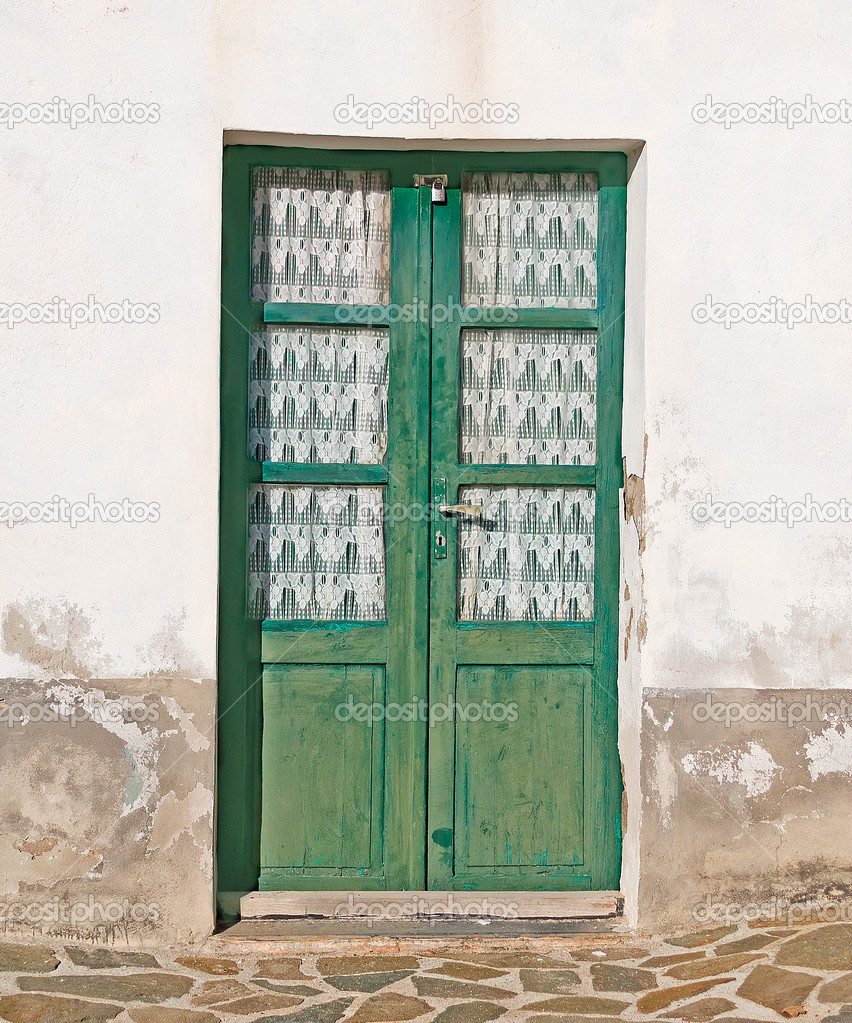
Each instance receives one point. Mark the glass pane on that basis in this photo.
(318, 394)
(530, 557)
(321, 236)
(530, 240)
(528, 397)
(316, 553)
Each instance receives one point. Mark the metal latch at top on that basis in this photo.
(438, 184)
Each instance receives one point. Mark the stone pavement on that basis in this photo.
(728, 975)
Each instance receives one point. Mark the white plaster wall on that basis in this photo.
(133, 212)
(126, 211)
(118, 212)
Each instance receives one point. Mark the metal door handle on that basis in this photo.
(474, 510)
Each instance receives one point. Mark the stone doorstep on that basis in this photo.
(455, 947)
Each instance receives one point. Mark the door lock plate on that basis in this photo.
(439, 497)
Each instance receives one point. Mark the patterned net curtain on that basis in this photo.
(318, 394)
(528, 397)
(529, 557)
(530, 240)
(321, 236)
(316, 553)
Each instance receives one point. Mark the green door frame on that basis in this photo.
(244, 646)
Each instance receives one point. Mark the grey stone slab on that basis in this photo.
(137, 987)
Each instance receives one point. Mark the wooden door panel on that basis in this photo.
(519, 762)
(323, 772)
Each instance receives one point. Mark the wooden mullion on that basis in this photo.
(497, 318)
(527, 475)
(322, 473)
(327, 314)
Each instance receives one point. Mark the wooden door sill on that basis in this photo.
(387, 908)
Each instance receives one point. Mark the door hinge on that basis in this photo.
(438, 184)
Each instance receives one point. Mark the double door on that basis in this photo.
(420, 479)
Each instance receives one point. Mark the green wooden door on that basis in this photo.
(388, 720)
(524, 780)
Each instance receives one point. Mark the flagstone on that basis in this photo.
(283, 969)
(654, 1001)
(220, 991)
(136, 987)
(609, 977)
(109, 958)
(206, 964)
(681, 957)
(390, 1007)
(333, 966)
(580, 1004)
(367, 981)
(562, 1018)
(47, 1009)
(257, 1003)
(839, 990)
(26, 958)
(750, 944)
(550, 982)
(701, 1011)
(713, 967)
(470, 1012)
(844, 1016)
(698, 938)
(328, 1012)
(441, 988)
(777, 989)
(467, 971)
(293, 989)
(164, 1014)
(825, 948)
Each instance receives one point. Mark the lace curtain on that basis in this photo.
(529, 240)
(316, 553)
(321, 236)
(530, 557)
(318, 394)
(528, 397)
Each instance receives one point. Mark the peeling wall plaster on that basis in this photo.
(753, 767)
(108, 802)
(830, 752)
(739, 811)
